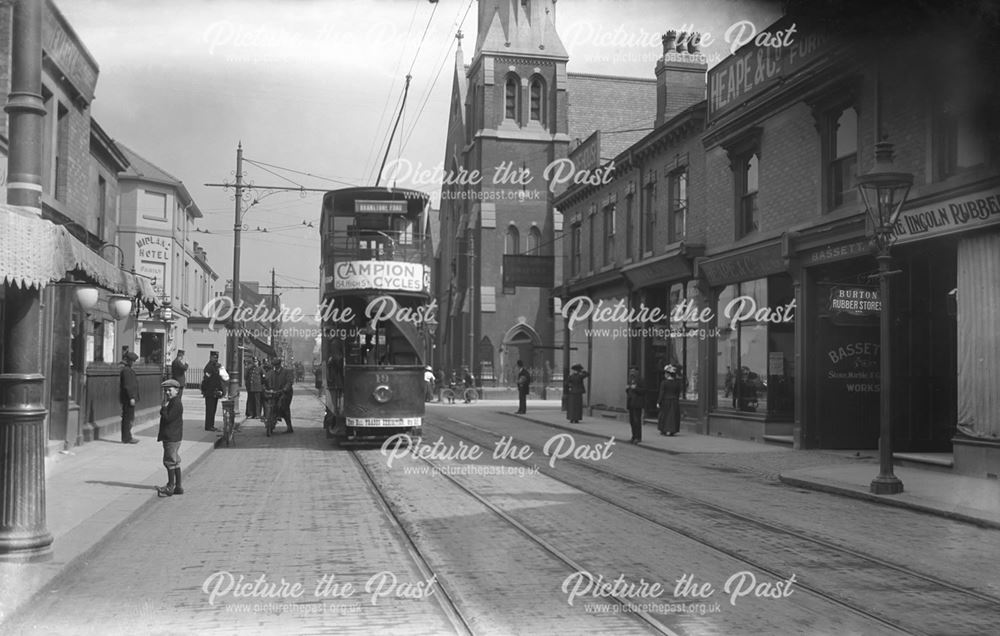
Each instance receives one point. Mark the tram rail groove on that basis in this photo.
(767, 525)
(449, 606)
(640, 615)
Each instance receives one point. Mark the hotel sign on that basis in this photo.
(973, 211)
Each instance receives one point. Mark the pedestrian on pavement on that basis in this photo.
(255, 389)
(575, 389)
(212, 389)
(283, 381)
(635, 394)
(523, 387)
(128, 395)
(171, 433)
(428, 384)
(178, 371)
(668, 401)
(438, 383)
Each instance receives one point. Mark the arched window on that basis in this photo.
(537, 101)
(512, 98)
(534, 240)
(512, 241)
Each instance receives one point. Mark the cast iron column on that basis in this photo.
(232, 345)
(886, 483)
(22, 411)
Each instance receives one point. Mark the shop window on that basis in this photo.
(609, 232)
(97, 355)
(685, 302)
(755, 356)
(840, 150)
(677, 184)
(512, 98)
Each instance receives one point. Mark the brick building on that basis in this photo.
(515, 114)
(784, 235)
(632, 241)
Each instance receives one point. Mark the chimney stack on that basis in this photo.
(680, 74)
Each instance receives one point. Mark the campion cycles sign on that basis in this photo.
(381, 275)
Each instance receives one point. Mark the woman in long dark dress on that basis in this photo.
(669, 420)
(574, 393)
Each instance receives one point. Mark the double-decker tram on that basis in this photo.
(376, 304)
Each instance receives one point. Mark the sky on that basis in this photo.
(310, 88)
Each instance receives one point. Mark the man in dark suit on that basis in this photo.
(178, 371)
(212, 388)
(171, 432)
(128, 395)
(523, 387)
(282, 380)
(634, 401)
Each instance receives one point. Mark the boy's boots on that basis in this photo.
(168, 490)
(177, 482)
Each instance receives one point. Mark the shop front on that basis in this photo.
(675, 336)
(751, 363)
(943, 315)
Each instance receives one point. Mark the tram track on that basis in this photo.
(783, 540)
(451, 608)
(446, 602)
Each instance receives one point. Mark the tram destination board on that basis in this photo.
(365, 206)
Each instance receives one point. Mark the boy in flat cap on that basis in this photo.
(171, 432)
(128, 396)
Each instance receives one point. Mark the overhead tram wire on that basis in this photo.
(406, 88)
(370, 161)
(447, 53)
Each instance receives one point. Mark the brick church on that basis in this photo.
(515, 117)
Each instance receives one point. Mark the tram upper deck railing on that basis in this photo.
(365, 245)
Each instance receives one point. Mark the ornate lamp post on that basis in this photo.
(884, 191)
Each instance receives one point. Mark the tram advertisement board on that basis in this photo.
(381, 275)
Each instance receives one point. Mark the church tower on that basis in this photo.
(508, 122)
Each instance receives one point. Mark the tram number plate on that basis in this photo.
(383, 421)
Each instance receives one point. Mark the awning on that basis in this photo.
(35, 252)
(262, 346)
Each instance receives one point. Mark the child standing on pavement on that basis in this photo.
(171, 432)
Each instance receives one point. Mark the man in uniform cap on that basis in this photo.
(212, 388)
(128, 396)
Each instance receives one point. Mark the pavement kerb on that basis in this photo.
(570, 429)
(888, 500)
(828, 487)
(48, 570)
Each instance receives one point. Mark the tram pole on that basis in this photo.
(232, 340)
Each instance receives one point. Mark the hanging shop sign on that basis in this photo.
(520, 270)
(855, 300)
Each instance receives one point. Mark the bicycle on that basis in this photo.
(270, 410)
(469, 395)
(229, 427)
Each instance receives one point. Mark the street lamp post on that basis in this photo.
(884, 191)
